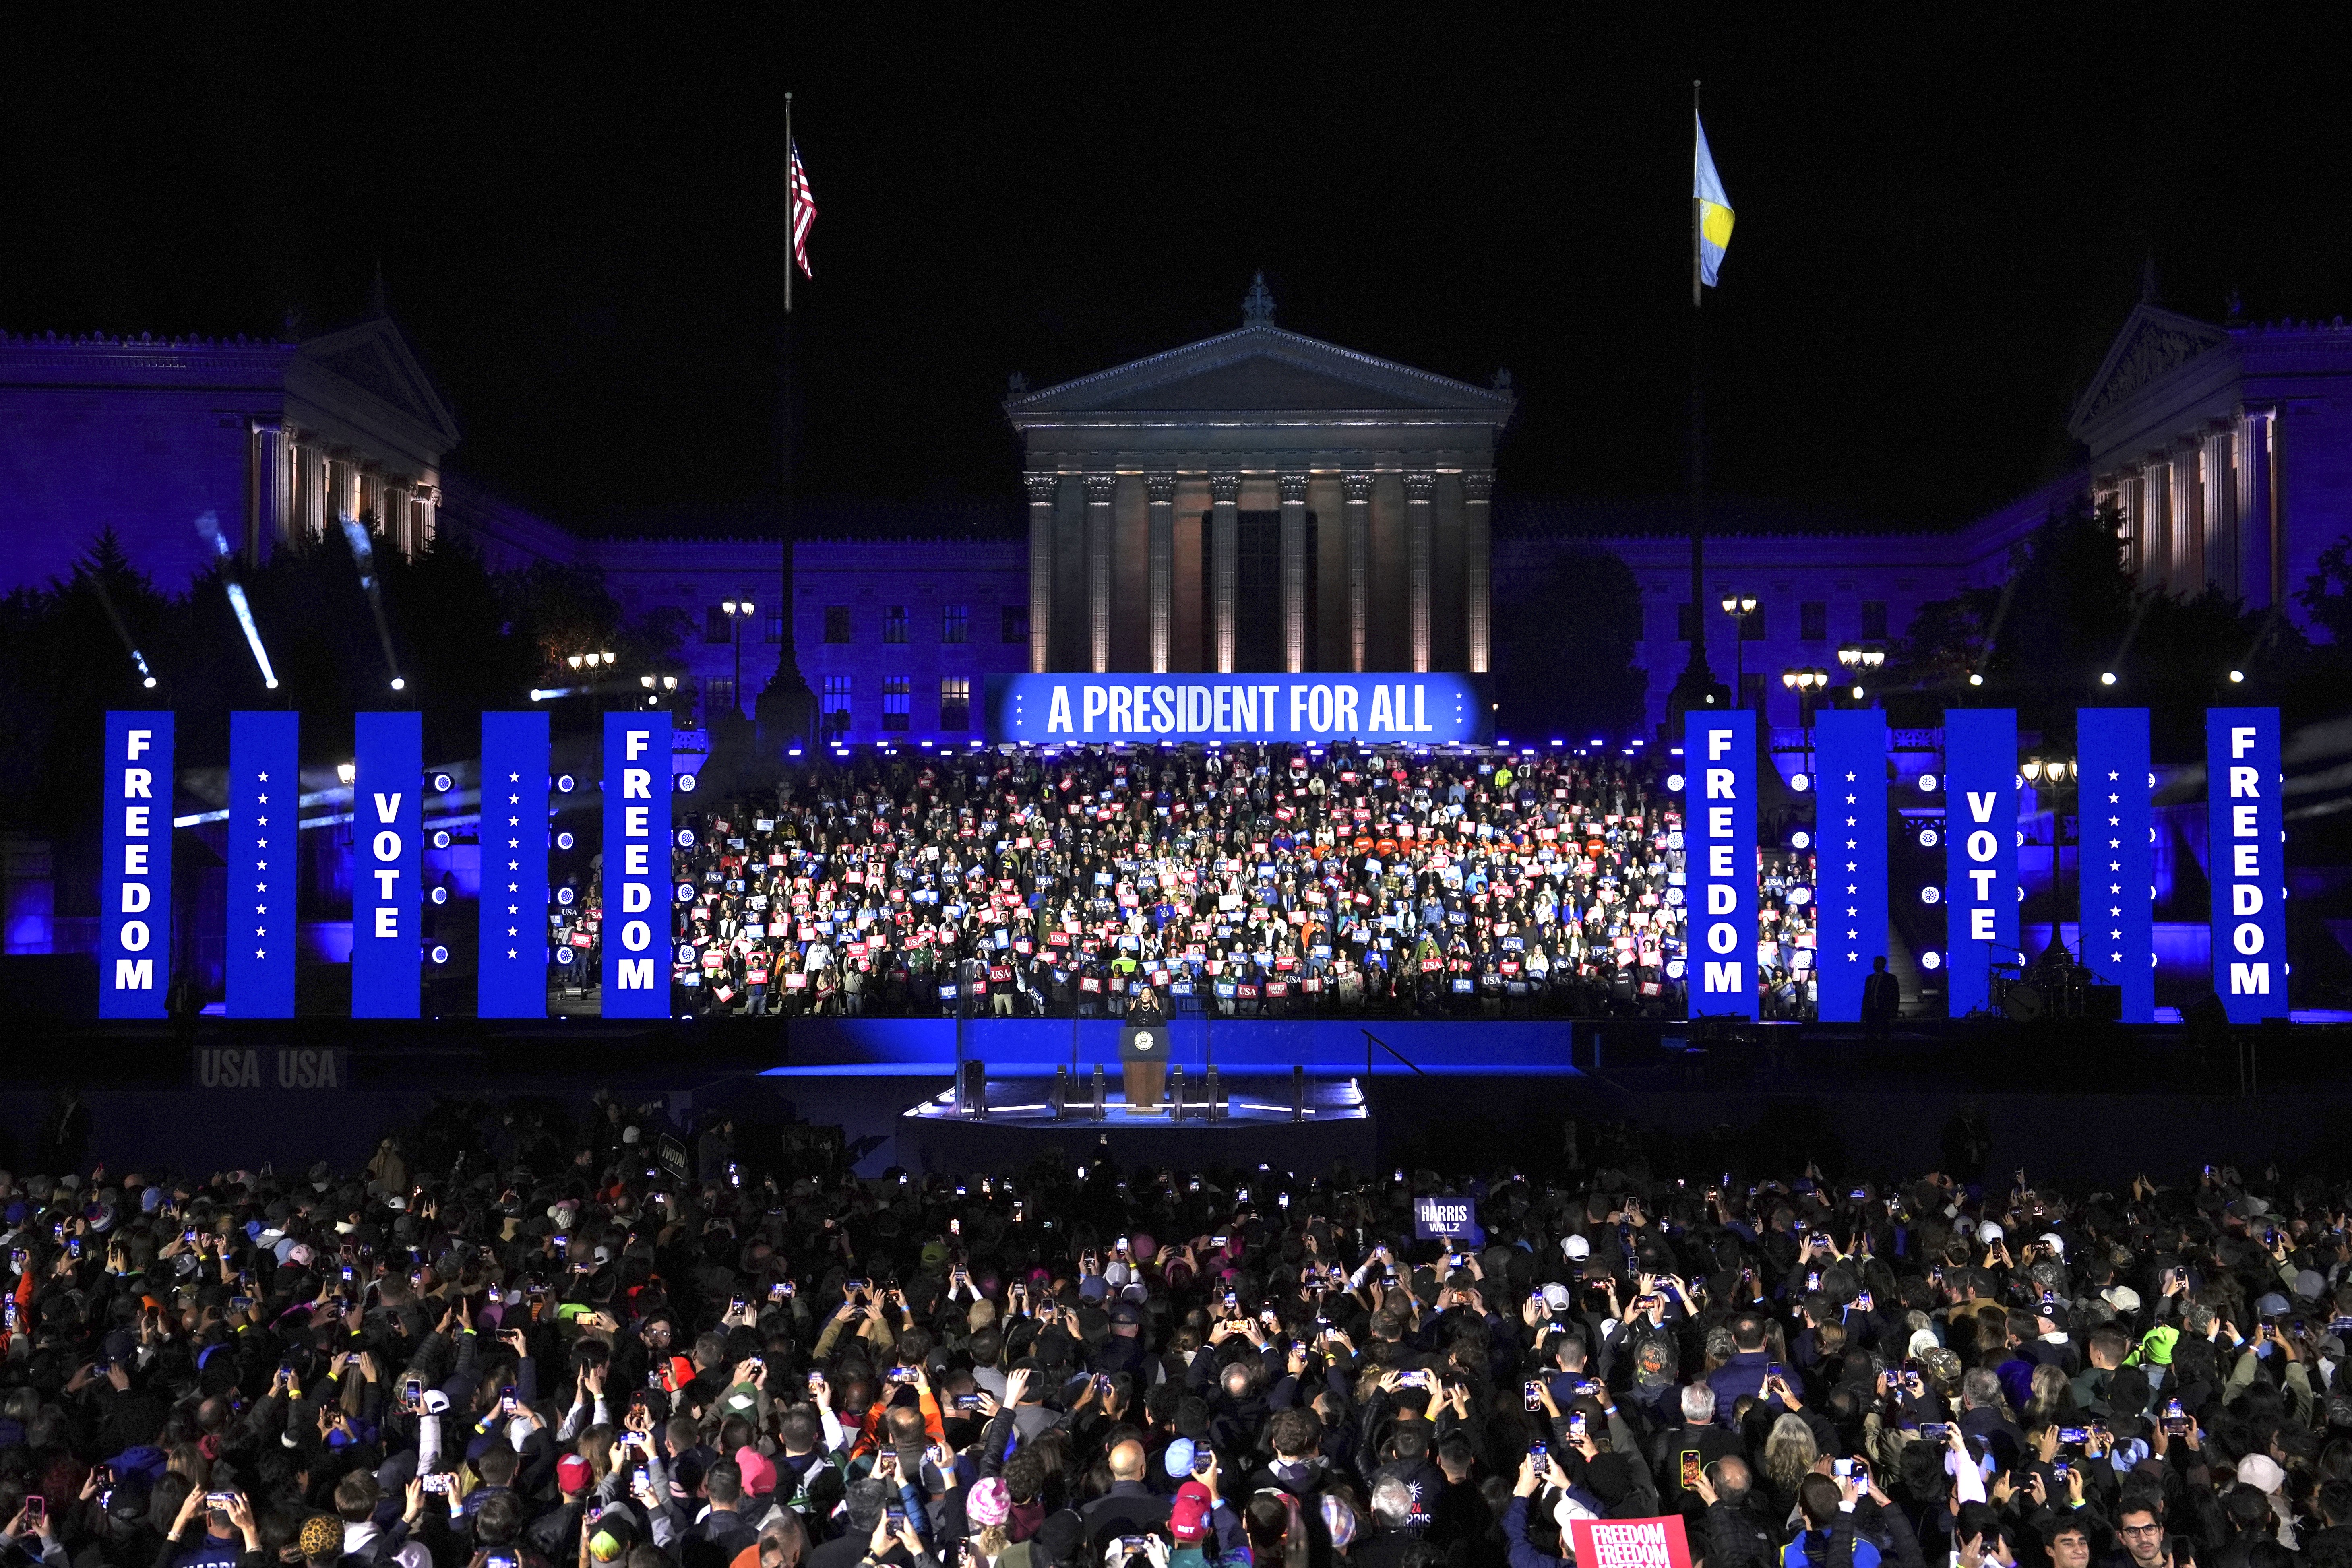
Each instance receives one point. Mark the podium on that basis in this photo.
(1143, 1062)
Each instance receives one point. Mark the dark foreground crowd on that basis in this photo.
(576, 1357)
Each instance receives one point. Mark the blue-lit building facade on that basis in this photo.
(1258, 501)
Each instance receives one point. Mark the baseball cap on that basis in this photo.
(1188, 1518)
(2053, 1241)
(1576, 1247)
(2121, 1297)
(759, 1472)
(1990, 1231)
(1177, 1457)
(572, 1474)
(1556, 1297)
(989, 1502)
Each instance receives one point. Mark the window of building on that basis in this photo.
(718, 697)
(955, 703)
(833, 710)
(898, 692)
(1874, 618)
(1686, 621)
(715, 625)
(1815, 619)
(1013, 621)
(894, 622)
(775, 627)
(836, 623)
(955, 624)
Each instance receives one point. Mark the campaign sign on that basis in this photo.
(637, 865)
(134, 884)
(1445, 1216)
(2118, 873)
(2247, 861)
(1425, 709)
(1719, 861)
(1849, 854)
(512, 935)
(265, 792)
(1981, 885)
(387, 861)
(1630, 1543)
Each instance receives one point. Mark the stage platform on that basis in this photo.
(1034, 1048)
(1257, 1127)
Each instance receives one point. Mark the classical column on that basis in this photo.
(275, 470)
(371, 503)
(1043, 489)
(423, 514)
(1224, 563)
(1477, 567)
(1160, 492)
(2218, 503)
(1100, 488)
(2257, 540)
(310, 476)
(1293, 488)
(395, 517)
(342, 488)
(2188, 524)
(2128, 491)
(1355, 527)
(2156, 539)
(1420, 563)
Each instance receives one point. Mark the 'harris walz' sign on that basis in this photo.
(1421, 709)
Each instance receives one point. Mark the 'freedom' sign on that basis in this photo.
(2247, 861)
(637, 865)
(134, 884)
(1719, 861)
(1630, 1543)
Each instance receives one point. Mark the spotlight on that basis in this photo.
(2106, 678)
(646, 681)
(1931, 894)
(564, 841)
(442, 782)
(440, 955)
(398, 684)
(1857, 694)
(1974, 680)
(1800, 840)
(347, 772)
(574, 662)
(1927, 783)
(1931, 960)
(2236, 676)
(1675, 784)
(1800, 783)
(440, 894)
(1927, 838)
(148, 682)
(440, 840)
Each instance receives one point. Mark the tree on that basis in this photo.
(1564, 650)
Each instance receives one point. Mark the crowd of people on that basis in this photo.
(446, 1361)
(1246, 881)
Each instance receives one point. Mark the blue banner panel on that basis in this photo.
(1719, 862)
(387, 861)
(1980, 883)
(1425, 709)
(513, 930)
(2114, 861)
(1850, 855)
(636, 926)
(2247, 861)
(265, 792)
(134, 883)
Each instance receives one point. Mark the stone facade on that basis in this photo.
(272, 438)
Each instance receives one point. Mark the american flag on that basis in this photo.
(803, 208)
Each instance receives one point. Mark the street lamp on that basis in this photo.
(1739, 606)
(1858, 658)
(1804, 681)
(737, 611)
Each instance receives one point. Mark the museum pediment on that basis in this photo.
(1259, 369)
(2152, 343)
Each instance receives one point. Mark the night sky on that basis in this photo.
(582, 227)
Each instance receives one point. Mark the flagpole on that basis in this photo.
(785, 708)
(1697, 682)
